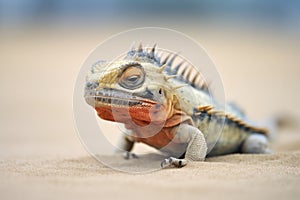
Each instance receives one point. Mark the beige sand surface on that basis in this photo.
(41, 156)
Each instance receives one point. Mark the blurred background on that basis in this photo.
(270, 13)
(255, 45)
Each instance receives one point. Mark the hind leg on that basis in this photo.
(256, 143)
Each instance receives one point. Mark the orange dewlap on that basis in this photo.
(123, 114)
(137, 117)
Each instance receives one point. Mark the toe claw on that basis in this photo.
(166, 162)
(173, 161)
(162, 164)
(127, 155)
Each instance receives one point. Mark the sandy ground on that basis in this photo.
(41, 156)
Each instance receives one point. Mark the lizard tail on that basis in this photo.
(280, 122)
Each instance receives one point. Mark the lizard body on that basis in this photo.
(169, 108)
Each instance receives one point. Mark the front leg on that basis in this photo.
(196, 149)
(124, 146)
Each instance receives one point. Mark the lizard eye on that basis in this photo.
(132, 77)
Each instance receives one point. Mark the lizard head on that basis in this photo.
(134, 87)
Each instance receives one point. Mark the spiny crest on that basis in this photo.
(183, 70)
(162, 68)
(142, 54)
(173, 64)
(210, 111)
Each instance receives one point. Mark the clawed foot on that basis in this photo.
(128, 155)
(173, 162)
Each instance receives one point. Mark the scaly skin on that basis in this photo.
(171, 113)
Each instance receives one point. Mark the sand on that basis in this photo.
(41, 156)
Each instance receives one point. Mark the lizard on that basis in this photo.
(168, 107)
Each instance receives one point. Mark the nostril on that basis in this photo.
(91, 85)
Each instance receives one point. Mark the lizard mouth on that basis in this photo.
(116, 98)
